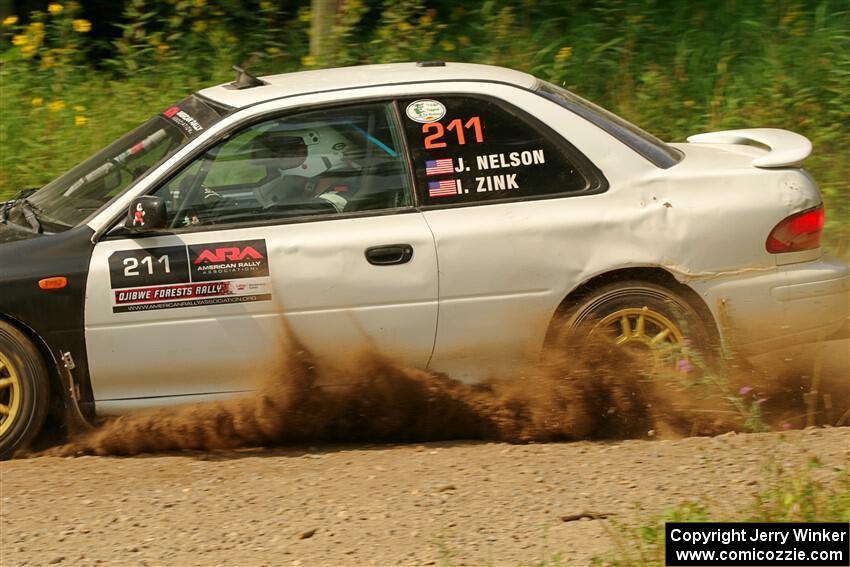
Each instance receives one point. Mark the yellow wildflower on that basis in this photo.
(199, 27)
(47, 62)
(447, 45)
(308, 61)
(563, 54)
(28, 50)
(10, 20)
(19, 40)
(81, 26)
(162, 48)
(304, 15)
(199, 3)
(79, 108)
(404, 26)
(80, 120)
(56, 106)
(37, 26)
(55, 8)
(272, 50)
(37, 101)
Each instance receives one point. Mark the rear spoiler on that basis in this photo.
(785, 148)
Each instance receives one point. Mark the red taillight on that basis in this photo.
(798, 232)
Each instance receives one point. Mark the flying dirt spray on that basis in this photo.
(588, 388)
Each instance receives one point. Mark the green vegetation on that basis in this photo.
(813, 493)
(675, 68)
(798, 496)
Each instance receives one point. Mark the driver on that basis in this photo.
(278, 150)
(296, 164)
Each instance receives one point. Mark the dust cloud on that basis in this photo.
(589, 389)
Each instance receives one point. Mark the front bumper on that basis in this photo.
(794, 304)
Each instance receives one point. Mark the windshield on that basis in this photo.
(70, 199)
(639, 140)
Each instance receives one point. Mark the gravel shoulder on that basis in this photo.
(464, 503)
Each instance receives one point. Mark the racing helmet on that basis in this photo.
(278, 150)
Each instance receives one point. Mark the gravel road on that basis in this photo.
(463, 503)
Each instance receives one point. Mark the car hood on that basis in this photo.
(12, 234)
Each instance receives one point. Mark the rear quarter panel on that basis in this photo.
(505, 268)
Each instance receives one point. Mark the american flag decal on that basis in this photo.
(442, 188)
(439, 166)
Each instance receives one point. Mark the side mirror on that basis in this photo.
(145, 214)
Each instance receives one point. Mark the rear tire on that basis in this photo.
(647, 318)
(24, 391)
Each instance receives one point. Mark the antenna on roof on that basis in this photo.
(244, 79)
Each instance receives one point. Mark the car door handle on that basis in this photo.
(389, 254)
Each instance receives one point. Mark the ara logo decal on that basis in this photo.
(171, 111)
(228, 254)
(206, 274)
(228, 260)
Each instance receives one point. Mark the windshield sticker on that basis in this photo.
(184, 120)
(425, 110)
(172, 277)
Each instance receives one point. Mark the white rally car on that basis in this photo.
(453, 216)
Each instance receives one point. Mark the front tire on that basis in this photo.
(24, 390)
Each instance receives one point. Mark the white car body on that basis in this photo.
(477, 298)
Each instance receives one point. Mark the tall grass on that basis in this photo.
(674, 68)
(813, 493)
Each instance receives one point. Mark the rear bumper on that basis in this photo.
(796, 303)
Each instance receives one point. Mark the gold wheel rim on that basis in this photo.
(641, 326)
(10, 394)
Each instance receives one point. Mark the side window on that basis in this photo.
(469, 149)
(322, 162)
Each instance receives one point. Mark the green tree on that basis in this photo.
(323, 14)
